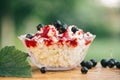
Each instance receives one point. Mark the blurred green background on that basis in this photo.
(100, 17)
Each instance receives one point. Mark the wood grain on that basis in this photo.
(97, 73)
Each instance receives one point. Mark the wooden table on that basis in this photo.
(97, 73)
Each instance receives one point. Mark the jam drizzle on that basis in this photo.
(30, 43)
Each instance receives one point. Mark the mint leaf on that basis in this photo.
(13, 63)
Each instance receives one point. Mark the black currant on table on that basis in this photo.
(43, 69)
(114, 60)
(104, 62)
(89, 64)
(83, 63)
(94, 62)
(111, 63)
(117, 65)
(84, 70)
(29, 36)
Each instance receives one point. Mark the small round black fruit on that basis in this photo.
(29, 36)
(43, 69)
(57, 23)
(104, 63)
(114, 60)
(62, 28)
(40, 26)
(84, 70)
(118, 65)
(111, 63)
(83, 63)
(94, 62)
(74, 29)
(89, 64)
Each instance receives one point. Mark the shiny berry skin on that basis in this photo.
(111, 63)
(117, 65)
(74, 29)
(57, 23)
(83, 63)
(114, 60)
(40, 26)
(94, 62)
(89, 64)
(62, 28)
(29, 36)
(104, 63)
(43, 69)
(84, 70)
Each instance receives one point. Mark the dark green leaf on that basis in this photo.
(13, 63)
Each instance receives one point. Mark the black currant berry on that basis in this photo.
(57, 23)
(104, 63)
(84, 70)
(118, 65)
(29, 36)
(40, 26)
(114, 60)
(89, 64)
(111, 63)
(83, 63)
(74, 29)
(43, 69)
(62, 28)
(94, 62)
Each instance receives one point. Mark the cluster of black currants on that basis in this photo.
(87, 65)
(61, 27)
(110, 63)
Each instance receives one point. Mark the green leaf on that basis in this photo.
(13, 63)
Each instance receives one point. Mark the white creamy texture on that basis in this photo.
(54, 56)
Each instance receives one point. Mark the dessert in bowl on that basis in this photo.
(57, 46)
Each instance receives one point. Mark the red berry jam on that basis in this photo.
(72, 43)
(30, 43)
(48, 42)
(60, 42)
(45, 32)
(87, 42)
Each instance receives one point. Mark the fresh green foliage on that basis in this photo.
(13, 63)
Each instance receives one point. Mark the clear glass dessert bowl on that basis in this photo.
(57, 50)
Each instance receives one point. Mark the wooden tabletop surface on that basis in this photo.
(97, 73)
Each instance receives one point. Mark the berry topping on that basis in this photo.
(62, 28)
(89, 64)
(43, 69)
(118, 65)
(83, 63)
(40, 26)
(74, 29)
(84, 70)
(104, 63)
(48, 42)
(29, 36)
(30, 43)
(60, 34)
(94, 62)
(57, 23)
